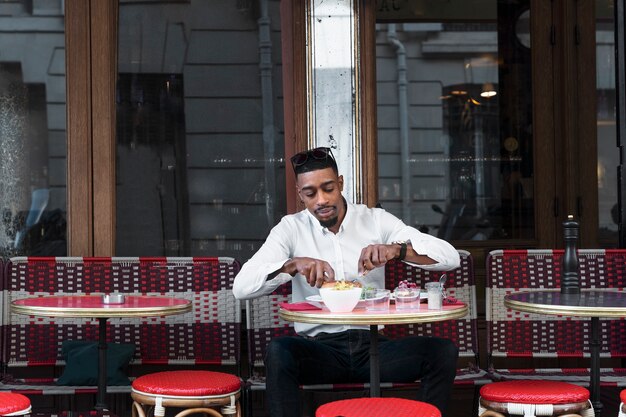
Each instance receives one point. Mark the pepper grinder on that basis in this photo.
(569, 282)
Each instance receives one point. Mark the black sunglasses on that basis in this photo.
(317, 153)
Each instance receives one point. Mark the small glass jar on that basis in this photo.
(407, 298)
(435, 295)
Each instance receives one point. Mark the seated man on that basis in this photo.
(333, 240)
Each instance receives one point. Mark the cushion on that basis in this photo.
(377, 407)
(12, 403)
(534, 392)
(81, 363)
(187, 383)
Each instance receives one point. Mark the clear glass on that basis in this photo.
(200, 164)
(454, 130)
(435, 295)
(33, 144)
(377, 300)
(608, 154)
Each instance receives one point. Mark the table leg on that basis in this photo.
(102, 365)
(595, 366)
(374, 362)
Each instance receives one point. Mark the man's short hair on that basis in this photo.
(313, 160)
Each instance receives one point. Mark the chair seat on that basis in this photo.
(622, 396)
(377, 407)
(13, 404)
(187, 384)
(534, 392)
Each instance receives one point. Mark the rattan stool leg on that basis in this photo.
(491, 413)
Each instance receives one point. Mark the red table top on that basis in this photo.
(92, 306)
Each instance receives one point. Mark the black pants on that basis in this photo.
(344, 357)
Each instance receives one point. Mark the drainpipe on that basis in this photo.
(403, 119)
(269, 131)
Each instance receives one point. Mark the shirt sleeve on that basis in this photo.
(252, 280)
(439, 250)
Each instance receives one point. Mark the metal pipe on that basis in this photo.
(269, 129)
(403, 120)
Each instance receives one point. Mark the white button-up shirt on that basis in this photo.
(301, 235)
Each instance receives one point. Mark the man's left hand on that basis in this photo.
(373, 256)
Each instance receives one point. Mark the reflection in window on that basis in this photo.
(32, 130)
(200, 164)
(454, 119)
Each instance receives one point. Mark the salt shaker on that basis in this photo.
(435, 295)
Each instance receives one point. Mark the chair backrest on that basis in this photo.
(210, 334)
(460, 285)
(264, 323)
(517, 334)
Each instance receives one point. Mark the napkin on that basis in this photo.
(304, 306)
(451, 301)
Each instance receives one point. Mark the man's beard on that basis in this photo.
(330, 222)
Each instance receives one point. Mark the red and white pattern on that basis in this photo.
(513, 334)
(209, 334)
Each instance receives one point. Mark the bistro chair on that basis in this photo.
(195, 391)
(377, 407)
(622, 404)
(534, 398)
(12, 404)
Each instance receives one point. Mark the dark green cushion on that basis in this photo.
(81, 363)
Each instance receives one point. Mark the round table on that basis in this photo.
(373, 319)
(589, 303)
(92, 306)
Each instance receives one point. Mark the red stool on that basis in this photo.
(622, 405)
(377, 407)
(534, 398)
(14, 404)
(195, 391)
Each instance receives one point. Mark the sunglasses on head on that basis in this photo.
(317, 153)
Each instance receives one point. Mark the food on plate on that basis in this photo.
(342, 285)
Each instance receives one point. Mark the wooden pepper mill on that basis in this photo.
(569, 282)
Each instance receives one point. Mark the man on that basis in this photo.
(334, 240)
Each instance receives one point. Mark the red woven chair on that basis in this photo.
(534, 398)
(377, 407)
(194, 391)
(12, 404)
(622, 404)
(263, 324)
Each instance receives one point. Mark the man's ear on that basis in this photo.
(340, 181)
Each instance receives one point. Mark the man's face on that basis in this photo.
(320, 191)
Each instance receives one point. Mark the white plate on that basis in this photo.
(316, 300)
(423, 296)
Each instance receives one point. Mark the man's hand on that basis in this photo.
(373, 256)
(315, 271)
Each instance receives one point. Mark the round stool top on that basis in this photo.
(377, 407)
(622, 396)
(11, 403)
(534, 392)
(187, 383)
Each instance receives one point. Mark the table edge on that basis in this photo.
(576, 311)
(373, 318)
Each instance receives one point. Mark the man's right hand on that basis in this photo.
(315, 271)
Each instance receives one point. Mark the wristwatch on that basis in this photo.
(403, 246)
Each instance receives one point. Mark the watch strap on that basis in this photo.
(402, 254)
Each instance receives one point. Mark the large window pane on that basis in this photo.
(200, 164)
(32, 128)
(455, 117)
(608, 155)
